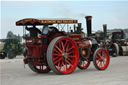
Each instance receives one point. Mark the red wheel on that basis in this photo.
(83, 64)
(62, 55)
(101, 59)
(39, 69)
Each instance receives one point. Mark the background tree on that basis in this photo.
(11, 35)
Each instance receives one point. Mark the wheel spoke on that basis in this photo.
(69, 60)
(64, 67)
(55, 58)
(67, 47)
(58, 48)
(59, 45)
(63, 46)
(70, 53)
(57, 61)
(103, 63)
(97, 61)
(59, 55)
(69, 63)
(70, 56)
(101, 52)
(66, 43)
(70, 48)
(103, 55)
(66, 64)
(98, 58)
(60, 65)
(98, 54)
(57, 51)
(84, 63)
(100, 64)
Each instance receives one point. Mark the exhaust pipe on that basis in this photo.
(89, 25)
(79, 28)
(105, 31)
(122, 34)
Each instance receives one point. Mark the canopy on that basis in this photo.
(33, 21)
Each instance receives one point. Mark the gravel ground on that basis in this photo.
(13, 72)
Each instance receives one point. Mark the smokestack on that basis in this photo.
(79, 28)
(122, 34)
(105, 30)
(79, 25)
(89, 25)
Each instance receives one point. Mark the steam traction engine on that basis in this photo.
(65, 50)
(115, 42)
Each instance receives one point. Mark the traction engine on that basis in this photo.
(65, 50)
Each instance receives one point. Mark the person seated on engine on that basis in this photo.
(33, 31)
(45, 31)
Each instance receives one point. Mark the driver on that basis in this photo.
(33, 31)
(45, 31)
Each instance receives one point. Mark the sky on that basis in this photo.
(113, 13)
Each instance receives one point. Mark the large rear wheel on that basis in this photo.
(62, 55)
(39, 69)
(101, 59)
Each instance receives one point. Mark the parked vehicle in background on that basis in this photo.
(10, 48)
(2, 52)
(115, 42)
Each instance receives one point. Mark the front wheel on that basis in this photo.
(83, 64)
(62, 55)
(101, 59)
(84, 60)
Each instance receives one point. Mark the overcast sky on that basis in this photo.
(114, 13)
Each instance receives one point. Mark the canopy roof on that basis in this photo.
(33, 21)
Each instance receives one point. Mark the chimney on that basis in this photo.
(89, 25)
(79, 28)
(105, 30)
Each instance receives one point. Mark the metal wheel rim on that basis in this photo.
(102, 59)
(65, 56)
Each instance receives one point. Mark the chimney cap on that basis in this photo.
(104, 24)
(88, 16)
